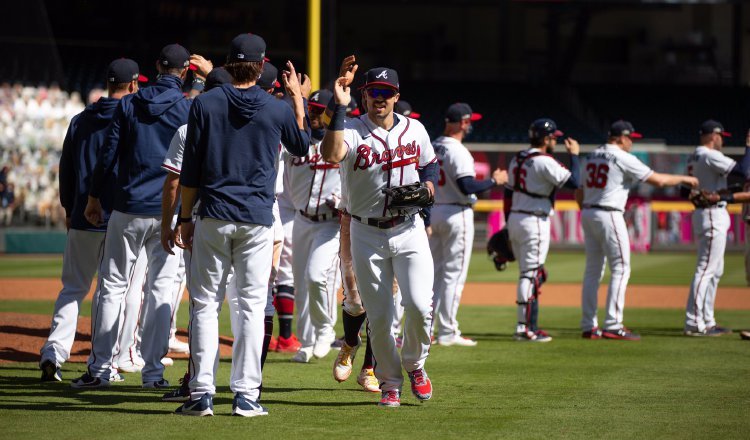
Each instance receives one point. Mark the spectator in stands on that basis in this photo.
(7, 204)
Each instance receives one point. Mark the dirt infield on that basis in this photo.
(22, 335)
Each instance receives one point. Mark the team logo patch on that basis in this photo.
(383, 74)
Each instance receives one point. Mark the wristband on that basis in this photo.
(184, 220)
(337, 121)
(729, 198)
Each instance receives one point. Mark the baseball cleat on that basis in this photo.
(116, 377)
(622, 334)
(744, 334)
(421, 386)
(529, 336)
(167, 361)
(594, 333)
(323, 345)
(272, 344)
(198, 407)
(391, 399)
(50, 372)
(338, 343)
(695, 332)
(130, 366)
(368, 381)
(181, 394)
(288, 345)
(718, 331)
(342, 366)
(303, 355)
(89, 382)
(161, 383)
(456, 340)
(242, 406)
(177, 346)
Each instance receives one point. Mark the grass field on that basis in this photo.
(665, 386)
(668, 269)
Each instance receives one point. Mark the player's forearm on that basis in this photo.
(189, 196)
(332, 148)
(299, 111)
(661, 180)
(579, 198)
(169, 197)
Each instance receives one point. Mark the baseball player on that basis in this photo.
(315, 187)
(137, 141)
(378, 151)
(85, 137)
(710, 226)
(529, 196)
(452, 220)
(231, 152)
(608, 174)
(404, 108)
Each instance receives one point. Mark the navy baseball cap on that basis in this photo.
(217, 77)
(623, 128)
(353, 108)
(320, 98)
(124, 70)
(381, 76)
(459, 111)
(404, 108)
(712, 126)
(543, 127)
(268, 77)
(174, 56)
(247, 48)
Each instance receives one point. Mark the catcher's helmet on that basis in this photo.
(499, 249)
(543, 127)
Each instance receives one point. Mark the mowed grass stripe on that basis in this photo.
(669, 269)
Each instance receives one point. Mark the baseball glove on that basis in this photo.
(500, 250)
(415, 195)
(703, 198)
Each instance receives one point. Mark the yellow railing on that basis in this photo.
(570, 205)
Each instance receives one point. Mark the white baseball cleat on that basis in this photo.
(177, 346)
(134, 365)
(323, 345)
(167, 361)
(342, 366)
(368, 381)
(456, 340)
(303, 355)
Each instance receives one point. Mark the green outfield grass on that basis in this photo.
(674, 268)
(666, 386)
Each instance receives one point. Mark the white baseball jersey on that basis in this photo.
(377, 158)
(610, 173)
(455, 162)
(173, 160)
(280, 173)
(313, 181)
(538, 175)
(711, 168)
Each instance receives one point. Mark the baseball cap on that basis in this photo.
(174, 55)
(712, 126)
(268, 77)
(247, 48)
(404, 108)
(381, 76)
(623, 128)
(320, 98)
(216, 77)
(460, 111)
(124, 70)
(543, 127)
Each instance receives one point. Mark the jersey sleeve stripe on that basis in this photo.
(170, 168)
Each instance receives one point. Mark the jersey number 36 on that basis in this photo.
(597, 175)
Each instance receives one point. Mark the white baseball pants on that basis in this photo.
(83, 251)
(451, 244)
(285, 276)
(605, 237)
(710, 227)
(127, 234)
(529, 238)
(130, 331)
(378, 255)
(316, 278)
(219, 246)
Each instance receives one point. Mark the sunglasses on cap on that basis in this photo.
(381, 93)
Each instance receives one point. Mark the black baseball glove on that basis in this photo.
(702, 198)
(415, 195)
(500, 250)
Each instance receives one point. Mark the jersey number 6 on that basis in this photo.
(597, 175)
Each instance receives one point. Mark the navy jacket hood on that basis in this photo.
(158, 99)
(246, 103)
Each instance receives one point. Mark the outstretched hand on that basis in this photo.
(292, 81)
(572, 146)
(342, 92)
(348, 69)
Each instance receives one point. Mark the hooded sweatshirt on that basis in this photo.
(85, 137)
(137, 141)
(231, 150)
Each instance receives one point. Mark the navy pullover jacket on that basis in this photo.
(231, 150)
(84, 139)
(137, 141)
